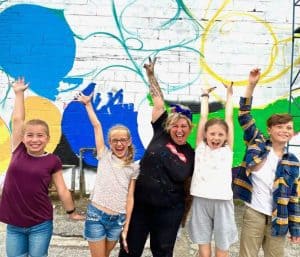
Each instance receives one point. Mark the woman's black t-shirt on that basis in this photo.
(163, 169)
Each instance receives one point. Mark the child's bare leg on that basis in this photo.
(205, 250)
(221, 253)
(97, 248)
(109, 246)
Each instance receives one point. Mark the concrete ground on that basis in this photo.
(67, 239)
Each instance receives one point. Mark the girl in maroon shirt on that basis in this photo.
(25, 206)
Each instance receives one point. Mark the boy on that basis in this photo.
(268, 181)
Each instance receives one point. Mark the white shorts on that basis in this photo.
(213, 217)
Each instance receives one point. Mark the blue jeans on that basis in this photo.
(100, 225)
(28, 241)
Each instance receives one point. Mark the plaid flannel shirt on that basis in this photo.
(286, 187)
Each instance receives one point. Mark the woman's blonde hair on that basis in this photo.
(173, 118)
(130, 154)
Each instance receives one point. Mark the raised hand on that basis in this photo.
(207, 91)
(150, 67)
(229, 88)
(85, 99)
(254, 76)
(19, 85)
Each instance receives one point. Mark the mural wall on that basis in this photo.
(62, 47)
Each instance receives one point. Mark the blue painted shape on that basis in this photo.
(38, 44)
(79, 131)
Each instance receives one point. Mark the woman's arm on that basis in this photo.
(155, 91)
(98, 132)
(18, 115)
(65, 195)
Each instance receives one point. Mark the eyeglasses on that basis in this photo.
(121, 140)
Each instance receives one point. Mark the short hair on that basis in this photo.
(173, 118)
(217, 121)
(276, 119)
(35, 122)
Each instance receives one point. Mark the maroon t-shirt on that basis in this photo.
(25, 201)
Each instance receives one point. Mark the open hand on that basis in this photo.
(85, 99)
(19, 85)
(254, 76)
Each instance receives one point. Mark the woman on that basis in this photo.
(166, 166)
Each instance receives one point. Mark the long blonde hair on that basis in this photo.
(130, 154)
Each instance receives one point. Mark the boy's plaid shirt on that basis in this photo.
(286, 187)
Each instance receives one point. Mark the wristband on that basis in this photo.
(205, 94)
(71, 211)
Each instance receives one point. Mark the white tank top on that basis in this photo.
(212, 176)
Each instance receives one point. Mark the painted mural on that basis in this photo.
(65, 47)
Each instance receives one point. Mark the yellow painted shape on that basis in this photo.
(267, 26)
(41, 108)
(5, 146)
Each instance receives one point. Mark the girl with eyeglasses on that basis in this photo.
(111, 202)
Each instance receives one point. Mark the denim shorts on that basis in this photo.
(28, 241)
(100, 225)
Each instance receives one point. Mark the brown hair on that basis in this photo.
(217, 121)
(130, 154)
(173, 118)
(35, 122)
(276, 119)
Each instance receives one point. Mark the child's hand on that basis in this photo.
(229, 88)
(254, 76)
(150, 67)
(206, 91)
(294, 239)
(85, 99)
(124, 241)
(19, 85)
(76, 216)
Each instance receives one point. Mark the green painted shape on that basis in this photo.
(260, 116)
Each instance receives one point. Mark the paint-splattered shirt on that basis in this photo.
(164, 168)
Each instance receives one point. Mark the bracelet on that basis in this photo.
(205, 94)
(71, 211)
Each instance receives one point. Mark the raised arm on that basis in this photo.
(204, 114)
(155, 91)
(245, 118)
(254, 76)
(18, 115)
(98, 132)
(229, 114)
